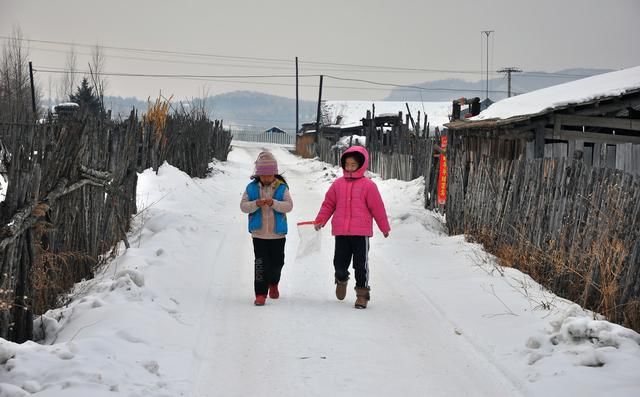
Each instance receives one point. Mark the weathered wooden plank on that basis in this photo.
(539, 148)
(635, 168)
(592, 121)
(550, 133)
(611, 156)
(548, 151)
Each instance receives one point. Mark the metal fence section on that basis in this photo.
(267, 137)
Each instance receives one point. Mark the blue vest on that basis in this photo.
(255, 218)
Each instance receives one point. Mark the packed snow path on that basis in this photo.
(173, 315)
(307, 342)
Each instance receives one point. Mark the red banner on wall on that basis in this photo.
(442, 176)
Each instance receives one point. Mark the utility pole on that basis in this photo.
(33, 91)
(297, 108)
(318, 114)
(487, 33)
(508, 71)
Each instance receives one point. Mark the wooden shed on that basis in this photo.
(596, 120)
(549, 182)
(306, 141)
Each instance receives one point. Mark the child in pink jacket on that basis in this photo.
(354, 201)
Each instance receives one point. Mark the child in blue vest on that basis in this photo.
(267, 200)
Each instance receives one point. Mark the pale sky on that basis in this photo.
(266, 36)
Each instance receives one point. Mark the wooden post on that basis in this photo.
(318, 112)
(538, 151)
(367, 130)
(413, 124)
(373, 125)
(426, 125)
(297, 106)
(33, 91)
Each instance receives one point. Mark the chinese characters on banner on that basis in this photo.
(442, 176)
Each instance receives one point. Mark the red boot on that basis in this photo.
(273, 291)
(260, 300)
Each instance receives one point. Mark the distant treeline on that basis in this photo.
(242, 109)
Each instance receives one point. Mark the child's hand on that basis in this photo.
(385, 234)
(264, 202)
(317, 226)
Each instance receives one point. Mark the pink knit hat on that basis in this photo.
(266, 164)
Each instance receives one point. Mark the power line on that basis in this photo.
(201, 54)
(154, 51)
(177, 61)
(216, 77)
(165, 75)
(368, 68)
(412, 87)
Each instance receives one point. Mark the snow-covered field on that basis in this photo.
(174, 314)
(352, 112)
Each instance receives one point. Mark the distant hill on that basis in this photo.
(238, 109)
(258, 111)
(245, 108)
(449, 89)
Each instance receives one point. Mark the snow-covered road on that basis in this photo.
(173, 315)
(307, 342)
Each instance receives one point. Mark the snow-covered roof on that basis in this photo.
(275, 128)
(68, 104)
(353, 111)
(575, 92)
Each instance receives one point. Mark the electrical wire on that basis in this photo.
(217, 77)
(377, 68)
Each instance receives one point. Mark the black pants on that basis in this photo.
(358, 248)
(268, 263)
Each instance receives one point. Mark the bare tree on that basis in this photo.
(96, 69)
(198, 106)
(68, 83)
(15, 89)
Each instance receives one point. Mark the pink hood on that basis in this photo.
(354, 201)
(364, 164)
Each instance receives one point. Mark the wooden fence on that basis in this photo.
(572, 227)
(70, 196)
(188, 142)
(395, 152)
(71, 193)
(267, 137)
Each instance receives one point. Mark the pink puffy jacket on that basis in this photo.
(354, 201)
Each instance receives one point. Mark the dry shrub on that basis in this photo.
(6, 294)
(609, 256)
(631, 314)
(54, 273)
(157, 117)
(585, 268)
